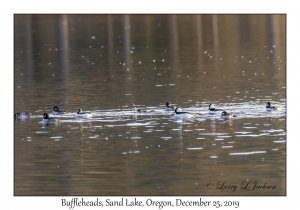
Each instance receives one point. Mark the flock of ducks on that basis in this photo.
(56, 111)
(178, 113)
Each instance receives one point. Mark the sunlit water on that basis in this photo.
(111, 69)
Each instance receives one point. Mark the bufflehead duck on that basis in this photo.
(179, 113)
(139, 111)
(56, 111)
(213, 110)
(169, 107)
(82, 114)
(269, 107)
(225, 114)
(47, 119)
(22, 115)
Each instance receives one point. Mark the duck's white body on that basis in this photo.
(84, 115)
(185, 115)
(179, 114)
(216, 111)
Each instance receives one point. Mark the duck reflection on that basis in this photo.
(213, 124)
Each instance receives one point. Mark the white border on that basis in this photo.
(150, 7)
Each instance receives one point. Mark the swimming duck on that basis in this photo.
(139, 111)
(22, 115)
(47, 119)
(179, 113)
(225, 114)
(56, 111)
(82, 114)
(269, 107)
(169, 107)
(213, 110)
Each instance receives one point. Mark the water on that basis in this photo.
(111, 64)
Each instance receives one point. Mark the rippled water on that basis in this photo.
(111, 64)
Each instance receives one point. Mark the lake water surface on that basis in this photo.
(111, 64)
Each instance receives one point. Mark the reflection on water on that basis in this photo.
(105, 63)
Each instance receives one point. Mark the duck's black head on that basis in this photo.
(269, 104)
(55, 109)
(167, 104)
(16, 115)
(46, 116)
(79, 111)
(224, 113)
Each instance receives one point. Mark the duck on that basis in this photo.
(169, 107)
(56, 111)
(139, 110)
(225, 114)
(213, 110)
(47, 119)
(270, 108)
(82, 114)
(22, 115)
(179, 113)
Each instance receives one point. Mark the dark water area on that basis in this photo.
(110, 64)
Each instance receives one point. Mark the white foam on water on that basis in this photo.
(213, 134)
(94, 137)
(243, 132)
(250, 135)
(247, 153)
(135, 137)
(213, 156)
(195, 148)
(255, 152)
(137, 124)
(41, 132)
(241, 153)
(56, 137)
(226, 146)
(279, 141)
